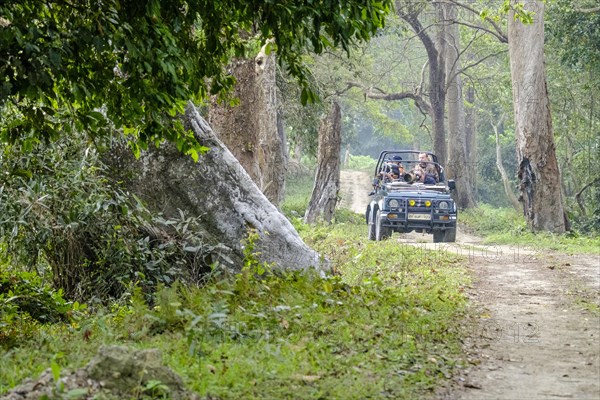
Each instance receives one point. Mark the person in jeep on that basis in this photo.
(426, 172)
(393, 169)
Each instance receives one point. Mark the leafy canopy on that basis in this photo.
(98, 66)
(575, 34)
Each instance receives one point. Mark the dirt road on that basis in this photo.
(530, 334)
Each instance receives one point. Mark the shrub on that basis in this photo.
(63, 217)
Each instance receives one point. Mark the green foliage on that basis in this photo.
(362, 163)
(386, 326)
(506, 226)
(573, 87)
(298, 188)
(63, 219)
(384, 65)
(26, 301)
(486, 220)
(95, 67)
(154, 389)
(301, 121)
(574, 34)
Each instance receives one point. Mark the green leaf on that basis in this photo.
(194, 154)
(56, 369)
(77, 393)
(304, 96)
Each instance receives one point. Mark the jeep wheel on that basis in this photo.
(371, 225)
(438, 236)
(450, 235)
(381, 232)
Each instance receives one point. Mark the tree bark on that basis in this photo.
(538, 171)
(218, 188)
(236, 125)
(458, 167)
(271, 135)
(251, 129)
(327, 177)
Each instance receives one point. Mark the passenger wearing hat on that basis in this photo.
(396, 169)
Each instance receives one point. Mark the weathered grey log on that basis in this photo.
(220, 190)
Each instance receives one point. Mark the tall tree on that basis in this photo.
(327, 177)
(471, 137)
(538, 172)
(435, 48)
(500, 165)
(459, 165)
(249, 126)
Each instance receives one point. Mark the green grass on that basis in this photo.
(506, 226)
(362, 163)
(384, 327)
(298, 189)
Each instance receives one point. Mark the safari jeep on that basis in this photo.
(411, 195)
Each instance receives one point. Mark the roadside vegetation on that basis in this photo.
(362, 163)
(506, 226)
(385, 325)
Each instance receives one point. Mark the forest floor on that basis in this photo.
(533, 331)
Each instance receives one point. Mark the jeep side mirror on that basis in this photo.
(451, 184)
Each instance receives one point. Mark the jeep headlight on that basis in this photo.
(393, 203)
(443, 205)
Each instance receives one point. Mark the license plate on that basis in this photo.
(424, 217)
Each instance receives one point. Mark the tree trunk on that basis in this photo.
(236, 125)
(271, 135)
(250, 129)
(504, 176)
(538, 168)
(347, 156)
(459, 168)
(327, 177)
(437, 86)
(471, 135)
(437, 78)
(217, 188)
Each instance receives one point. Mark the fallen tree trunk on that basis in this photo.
(219, 189)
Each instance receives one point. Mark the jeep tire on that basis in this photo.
(381, 232)
(371, 226)
(439, 236)
(450, 235)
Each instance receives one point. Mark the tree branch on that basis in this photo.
(463, 69)
(368, 92)
(587, 10)
(499, 34)
(578, 195)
